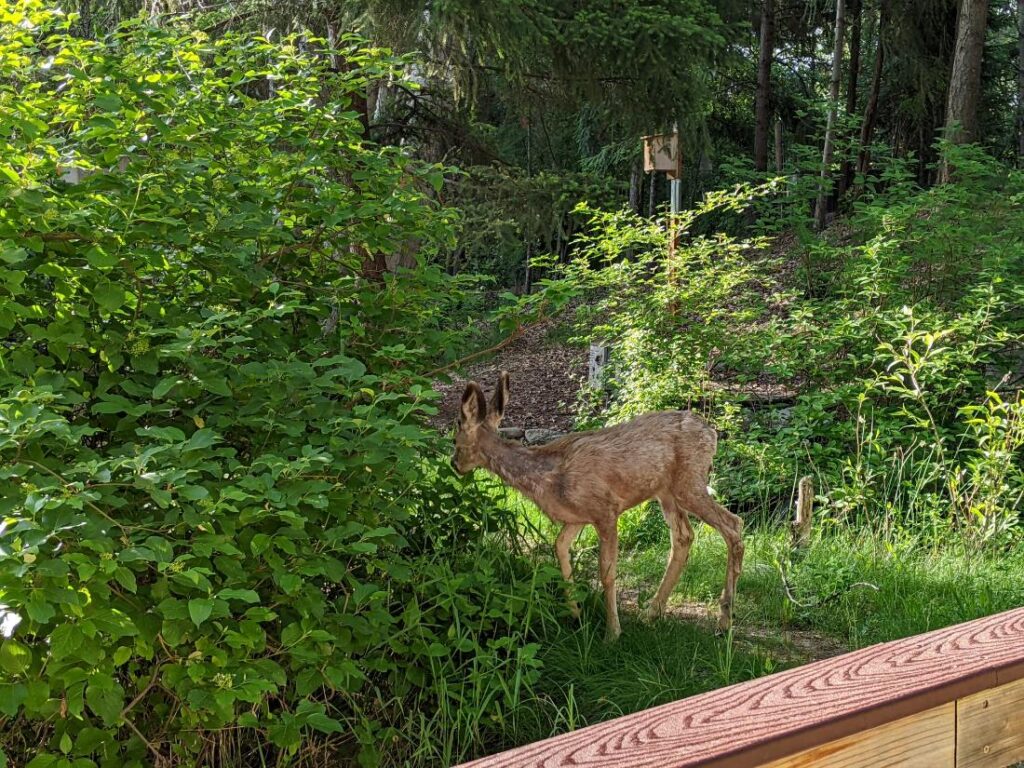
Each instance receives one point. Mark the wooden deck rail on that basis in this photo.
(952, 697)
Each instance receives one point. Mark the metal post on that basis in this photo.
(676, 201)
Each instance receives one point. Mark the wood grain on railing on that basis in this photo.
(781, 715)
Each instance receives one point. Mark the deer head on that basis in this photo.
(477, 417)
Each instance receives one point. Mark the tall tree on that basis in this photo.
(1020, 83)
(762, 98)
(853, 77)
(867, 128)
(833, 108)
(965, 80)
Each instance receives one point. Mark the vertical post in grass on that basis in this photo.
(804, 512)
(662, 152)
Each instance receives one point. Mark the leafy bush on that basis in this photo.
(881, 358)
(224, 532)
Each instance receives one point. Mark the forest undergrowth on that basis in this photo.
(230, 534)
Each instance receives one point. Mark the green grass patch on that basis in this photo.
(849, 588)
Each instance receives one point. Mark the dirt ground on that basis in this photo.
(546, 377)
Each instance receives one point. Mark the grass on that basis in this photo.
(849, 588)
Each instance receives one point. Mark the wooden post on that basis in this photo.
(804, 512)
(662, 152)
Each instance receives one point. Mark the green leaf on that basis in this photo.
(201, 438)
(166, 385)
(199, 609)
(218, 385)
(38, 609)
(104, 698)
(193, 492)
(13, 255)
(14, 657)
(99, 258)
(126, 579)
(108, 102)
(289, 582)
(108, 295)
(11, 697)
(323, 723)
(65, 640)
(245, 595)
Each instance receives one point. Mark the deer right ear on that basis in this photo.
(474, 405)
(498, 400)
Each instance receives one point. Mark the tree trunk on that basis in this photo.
(652, 193)
(833, 108)
(359, 102)
(965, 81)
(1020, 83)
(764, 85)
(846, 175)
(636, 182)
(778, 143)
(528, 282)
(85, 18)
(867, 128)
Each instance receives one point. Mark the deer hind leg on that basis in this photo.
(564, 541)
(607, 559)
(681, 534)
(730, 526)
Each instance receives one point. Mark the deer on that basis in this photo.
(591, 478)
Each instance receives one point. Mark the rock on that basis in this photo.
(512, 433)
(540, 436)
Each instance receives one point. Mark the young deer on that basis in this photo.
(593, 477)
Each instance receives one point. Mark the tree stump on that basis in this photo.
(801, 529)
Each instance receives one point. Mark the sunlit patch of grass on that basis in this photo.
(848, 588)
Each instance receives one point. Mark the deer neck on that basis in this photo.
(526, 470)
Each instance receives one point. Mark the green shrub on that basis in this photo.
(225, 532)
(884, 352)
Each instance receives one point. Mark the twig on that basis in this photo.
(517, 333)
(159, 758)
(143, 692)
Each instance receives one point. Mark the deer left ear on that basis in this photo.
(474, 405)
(498, 400)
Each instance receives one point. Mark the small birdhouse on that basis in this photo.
(662, 153)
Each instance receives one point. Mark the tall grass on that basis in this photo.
(852, 586)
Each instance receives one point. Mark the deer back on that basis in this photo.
(621, 466)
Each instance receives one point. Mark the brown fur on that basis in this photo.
(590, 478)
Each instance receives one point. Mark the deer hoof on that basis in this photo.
(574, 609)
(655, 611)
(612, 634)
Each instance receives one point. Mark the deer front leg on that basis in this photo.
(730, 527)
(609, 555)
(564, 541)
(681, 534)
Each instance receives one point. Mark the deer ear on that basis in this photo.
(498, 400)
(474, 405)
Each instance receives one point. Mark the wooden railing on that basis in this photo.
(953, 697)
